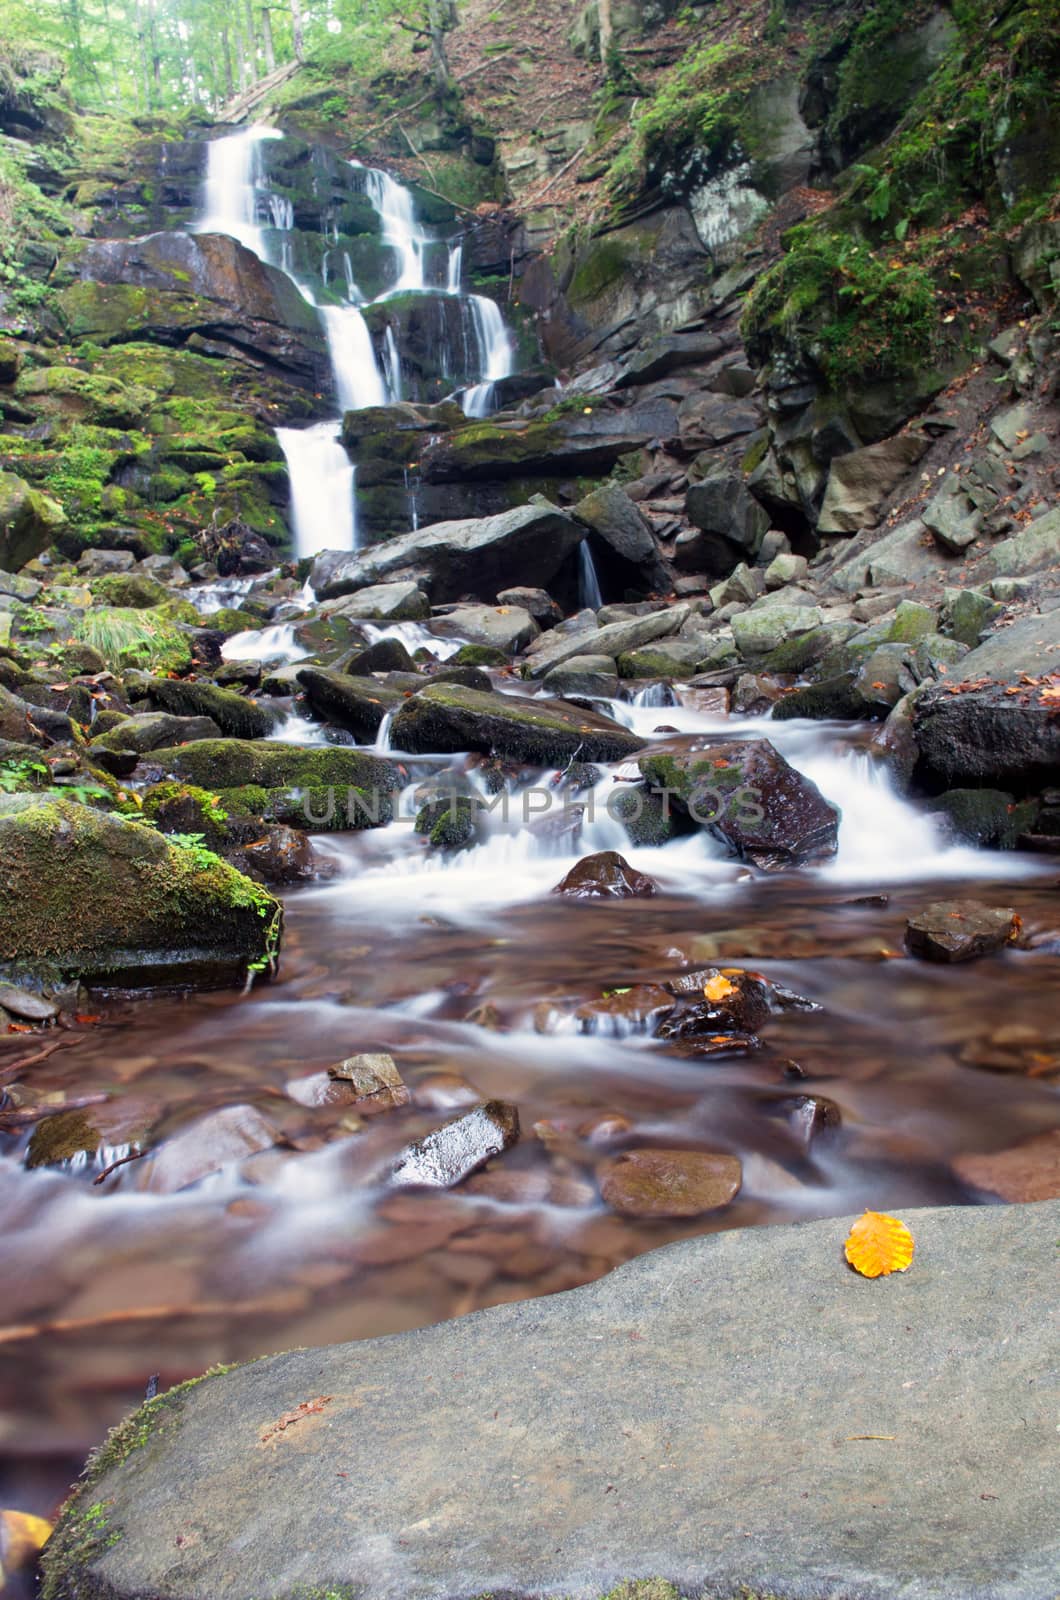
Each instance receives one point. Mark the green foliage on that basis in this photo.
(694, 110)
(17, 776)
(134, 638)
(857, 314)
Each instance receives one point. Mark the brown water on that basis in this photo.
(104, 1285)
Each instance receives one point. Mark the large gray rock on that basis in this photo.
(1031, 645)
(613, 640)
(723, 506)
(1035, 547)
(861, 482)
(735, 1413)
(479, 556)
(385, 602)
(618, 523)
(987, 736)
(507, 628)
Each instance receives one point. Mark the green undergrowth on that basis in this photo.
(127, 637)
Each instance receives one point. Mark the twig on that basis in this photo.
(16, 1067)
(417, 153)
(123, 1161)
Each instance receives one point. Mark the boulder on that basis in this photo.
(613, 640)
(540, 604)
(237, 717)
(743, 1350)
(151, 730)
(302, 786)
(354, 703)
(385, 602)
(766, 628)
(221, 1139)
(669, 1183)
(452, 822)
(460, 1146)
(747, 795)
(987, 736)
(1035, 548)
(449, 718)
(29, 522)
(605, 876)
(374, 1079)
(281, 857)
(591, 675)
(722, 506)
(479, 556)
(861, 482)
(92, 896)
(506, 628)
(960, 930)
(1030, 646)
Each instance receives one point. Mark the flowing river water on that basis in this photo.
(483, 984)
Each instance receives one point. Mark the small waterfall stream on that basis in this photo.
(239, 200)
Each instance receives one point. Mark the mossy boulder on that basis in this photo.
(449, 717)
(357, 704)
(235, 716)
(451, 823)
(29, 522)
(129, 589)
(88, 895)
(69, 394)
(304, 786)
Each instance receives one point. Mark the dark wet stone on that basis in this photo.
(807, 1115)
(625, 1009)
(355, 703)
(283, 856)
(449, 718)
(375, 1080)
(746, 794)
(669, 1183)
(987, 737)
(453, 822)
(461, 1145)
(960, 930)
(605, 875)
(386, 655)
(220, 1139)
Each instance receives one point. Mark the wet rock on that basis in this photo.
(505, 628)
(385, 602)
(626, 1010)
(746, 794)
(525, 546)
(960, 930)
(151, 730)
(97, 1133)
(540, 604)
(730, 1001)
(644, 814)
(593, 676)
(454, 822)
(303, 786)
(221, 1139)
(386, 655)
(357, 704)
(236, 717)
(765, 628)
(376, 1083)
(450, 718)
(1015, 1047)
(26, 1005)
(106, 900)
(989, 818)
(461, 1145)
(611, 640)
(669, 1183)
(807, 1115)
(986, 736)
(282, 857)
(606, 875)
(1024, 1173)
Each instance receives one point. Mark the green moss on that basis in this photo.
(603, 263)
(131, 590)
(478, 655)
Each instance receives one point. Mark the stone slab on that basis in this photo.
(736, 1409)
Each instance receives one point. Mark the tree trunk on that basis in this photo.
(226, 51)
(606, 33)
(266, 39)
(439, 15)
(297, 37)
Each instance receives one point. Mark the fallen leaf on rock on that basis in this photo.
(718, 988)
(877, 1245)
(306, 1409)
(21, 1536)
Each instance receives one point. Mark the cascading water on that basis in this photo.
(239, 201)
(589, 594)
(495, 354)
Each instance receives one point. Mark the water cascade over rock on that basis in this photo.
(411, 334)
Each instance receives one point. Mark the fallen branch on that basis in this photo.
(12, 1071)
(533, 199)
(123, 1161)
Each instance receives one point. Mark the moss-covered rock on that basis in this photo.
(29, 522)
(90, 895)
(449, 717)
(71, 394)
(129, 589)
(235, 716)
(305, 786)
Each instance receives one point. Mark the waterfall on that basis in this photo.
(234, 192)
(494, 353)
(238, 200)
(588, 583)
(407, 237)
(322, 500)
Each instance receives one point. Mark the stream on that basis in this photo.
(482, 984)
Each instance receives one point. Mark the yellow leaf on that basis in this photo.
(718, 988)
(878, 1244)
(21, 1536)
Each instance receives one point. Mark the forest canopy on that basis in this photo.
(154, 55)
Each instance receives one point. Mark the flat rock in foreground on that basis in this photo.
(738, 1409)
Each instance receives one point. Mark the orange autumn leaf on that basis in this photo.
(21, 1536)
(878, 1244)
(718, 988)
